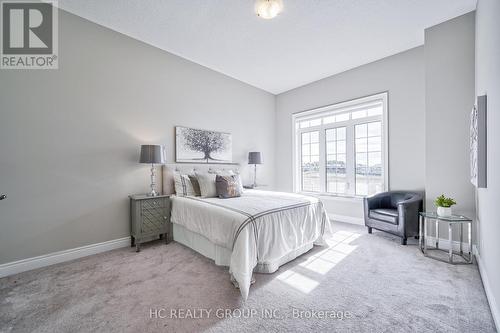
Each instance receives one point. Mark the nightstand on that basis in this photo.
(149, 218)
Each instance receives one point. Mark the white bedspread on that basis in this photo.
(260, 227)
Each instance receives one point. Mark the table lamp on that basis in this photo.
(153, 154)
(255, 157)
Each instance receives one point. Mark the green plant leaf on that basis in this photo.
(443, 201)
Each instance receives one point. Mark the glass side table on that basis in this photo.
(452, 220)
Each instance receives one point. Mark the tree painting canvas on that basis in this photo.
(202, 146)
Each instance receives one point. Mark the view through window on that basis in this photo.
(341, 149)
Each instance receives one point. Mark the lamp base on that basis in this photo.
(153, 194)
(254, 176)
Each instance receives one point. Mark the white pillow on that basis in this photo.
(207, 184)
(240, 183)
(183, 185)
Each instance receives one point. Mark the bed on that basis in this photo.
(257, 232)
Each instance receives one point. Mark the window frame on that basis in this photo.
(333, 109)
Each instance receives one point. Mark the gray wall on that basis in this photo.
(69, 138)
(488, 82)
(431, 92)
(449, 97)
(402, 75)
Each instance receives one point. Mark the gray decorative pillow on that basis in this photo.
(196, 185)
(231, 173)
(227, 186)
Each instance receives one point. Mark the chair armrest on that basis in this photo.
(409, 209)
(410, 205)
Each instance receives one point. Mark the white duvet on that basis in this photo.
(262, 229)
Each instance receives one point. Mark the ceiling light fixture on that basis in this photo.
(268, 9)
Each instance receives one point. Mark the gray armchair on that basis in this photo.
(395, 212)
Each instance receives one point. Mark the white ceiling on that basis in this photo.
(309, 40)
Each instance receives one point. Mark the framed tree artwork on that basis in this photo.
(202, 146)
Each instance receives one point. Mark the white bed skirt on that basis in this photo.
(222, 256)
(202, 245)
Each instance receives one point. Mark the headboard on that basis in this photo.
(167, 172)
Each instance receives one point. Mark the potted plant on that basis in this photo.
(444, 205)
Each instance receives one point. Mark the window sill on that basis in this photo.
(334, 197)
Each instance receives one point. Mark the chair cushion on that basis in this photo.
(385, 215)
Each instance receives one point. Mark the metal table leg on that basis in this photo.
(450, 237)
(437, 233)
(420, 232)
(461, 238)
(470, 242)
(425, 236)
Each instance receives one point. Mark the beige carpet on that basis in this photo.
(367, 283)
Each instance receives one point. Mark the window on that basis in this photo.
(336, 180)
(310, 161)
(368, 163)
(341, 149)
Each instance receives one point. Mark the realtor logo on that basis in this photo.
(29, 35)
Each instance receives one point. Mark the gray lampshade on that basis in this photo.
(152, 154)
(255, 157)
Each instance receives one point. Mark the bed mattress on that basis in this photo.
(258, 231)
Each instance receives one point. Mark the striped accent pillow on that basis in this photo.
(183, 185)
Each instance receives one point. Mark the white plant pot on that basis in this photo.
(444, 211)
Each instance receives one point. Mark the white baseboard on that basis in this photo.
(495, 310)
(347, 219)
(23, 265)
